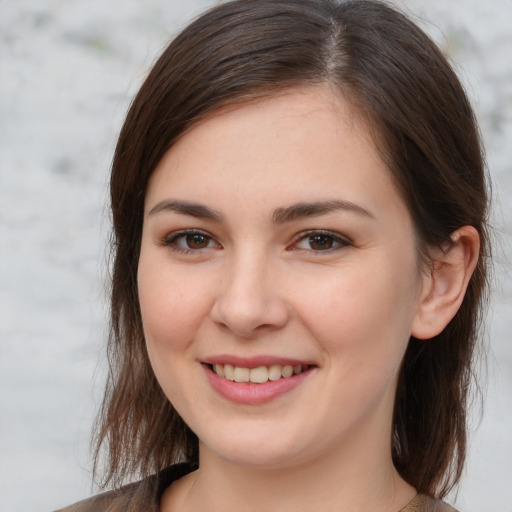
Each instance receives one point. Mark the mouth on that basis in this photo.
(260, 374)
(255, 381)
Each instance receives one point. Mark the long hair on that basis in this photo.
(422, 124)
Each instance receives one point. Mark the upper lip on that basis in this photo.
(255, 361)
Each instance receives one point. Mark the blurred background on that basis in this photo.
(68, 69)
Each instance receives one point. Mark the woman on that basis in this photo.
(299, 208)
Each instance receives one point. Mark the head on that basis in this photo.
(413, 108)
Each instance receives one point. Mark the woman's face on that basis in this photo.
(275, 242)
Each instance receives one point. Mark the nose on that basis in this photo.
(250, 301)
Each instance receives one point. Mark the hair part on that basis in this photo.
(424, 127)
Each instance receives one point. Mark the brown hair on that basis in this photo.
(425, 128)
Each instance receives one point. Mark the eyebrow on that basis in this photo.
(280, 216)
(301, 210)
(186, 208)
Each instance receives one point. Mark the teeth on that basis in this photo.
(241, 374)
(258, 375)
(218, 369)
(287, 371)
(229, 372)
(274, 372)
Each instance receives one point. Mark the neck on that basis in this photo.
(323, 484)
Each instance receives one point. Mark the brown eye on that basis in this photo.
(190, 241)
(321, 242)
(197, 241)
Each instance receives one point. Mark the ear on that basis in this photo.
(445, 283)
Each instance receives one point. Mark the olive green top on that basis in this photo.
(147, 494)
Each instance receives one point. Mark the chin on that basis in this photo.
(257, 460)
(259, 453)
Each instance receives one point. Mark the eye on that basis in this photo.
(189, 241)
(320, 241)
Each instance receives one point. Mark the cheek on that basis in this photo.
(171, 315)
(365, 312)
(171, 308)
(362, 326)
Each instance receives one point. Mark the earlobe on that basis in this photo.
(445, 284)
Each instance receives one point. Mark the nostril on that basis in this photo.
(249, 316)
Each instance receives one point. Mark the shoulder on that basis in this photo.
(144, 494)
(423, 503)
(111, 501)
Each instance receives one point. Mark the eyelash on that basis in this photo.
(172, 241)
(338, 242)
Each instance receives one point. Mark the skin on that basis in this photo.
(260, 286)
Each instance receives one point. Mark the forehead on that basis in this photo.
(300, 144)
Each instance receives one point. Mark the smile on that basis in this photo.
(255, 382)
(259, 375)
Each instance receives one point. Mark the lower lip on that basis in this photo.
(254, 394)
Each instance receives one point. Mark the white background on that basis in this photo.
(68, 69)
